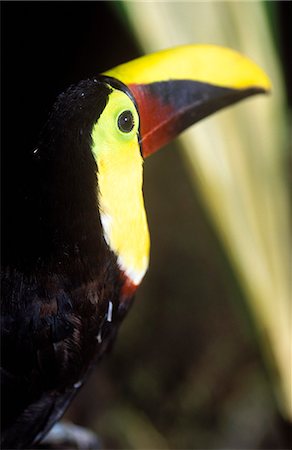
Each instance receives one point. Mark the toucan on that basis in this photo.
(68, 287)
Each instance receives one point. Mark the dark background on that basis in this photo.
(186, 371)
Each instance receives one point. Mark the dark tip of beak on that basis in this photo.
(169, 107)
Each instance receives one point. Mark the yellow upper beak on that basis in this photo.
(177, 87)
(211, 64)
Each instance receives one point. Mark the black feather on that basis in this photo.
(58, 273)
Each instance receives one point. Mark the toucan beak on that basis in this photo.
(175, 88)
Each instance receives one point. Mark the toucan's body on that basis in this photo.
(68, 286)
(60, 297)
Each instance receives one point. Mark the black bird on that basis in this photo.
(68, 285)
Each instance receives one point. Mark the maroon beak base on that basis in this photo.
(167, 108)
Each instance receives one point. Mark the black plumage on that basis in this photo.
(60, 281)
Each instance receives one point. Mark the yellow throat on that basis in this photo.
(120, 181)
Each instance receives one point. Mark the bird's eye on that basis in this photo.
(126, 121)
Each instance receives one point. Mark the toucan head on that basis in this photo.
(124, 115)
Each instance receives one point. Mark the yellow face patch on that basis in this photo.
(120, 179)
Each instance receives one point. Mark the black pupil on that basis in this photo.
(126, 121)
